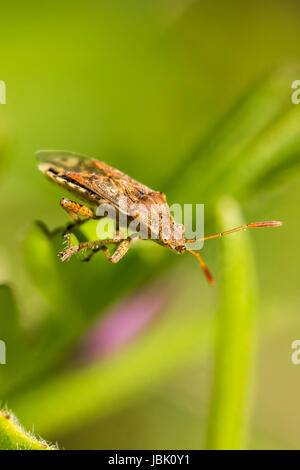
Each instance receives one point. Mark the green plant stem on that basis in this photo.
(235, 338)
(13, 436)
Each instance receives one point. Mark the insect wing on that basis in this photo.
(105, 183)
(64, 161)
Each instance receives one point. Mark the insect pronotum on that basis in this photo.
(97, 183)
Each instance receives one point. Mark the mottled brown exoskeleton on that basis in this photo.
(97, 183)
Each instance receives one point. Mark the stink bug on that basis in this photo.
(98, 184)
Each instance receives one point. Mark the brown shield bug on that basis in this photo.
(97, 183)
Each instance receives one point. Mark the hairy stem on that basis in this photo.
(13, 436)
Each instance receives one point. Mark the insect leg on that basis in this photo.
(72, 250)
(96, 250)
(120, 251)
(74, 209)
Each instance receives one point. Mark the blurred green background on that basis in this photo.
(192, 98)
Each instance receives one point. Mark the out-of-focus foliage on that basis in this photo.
(235, 339)
(177, 95)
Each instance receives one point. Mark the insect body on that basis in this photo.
(98, 184)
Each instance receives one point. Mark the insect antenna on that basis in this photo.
(237, 229)
(206, 271)
(221, 234)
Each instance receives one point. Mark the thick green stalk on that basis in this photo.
(235, 338)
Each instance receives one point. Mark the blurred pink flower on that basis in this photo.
(123, 322)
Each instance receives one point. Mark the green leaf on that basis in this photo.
(9, 321)
(13, 436)
(235, 336)
(5, 143)
(12, 337)
(259, 132)
(275, 153)
(41, 263)
(108, 385)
